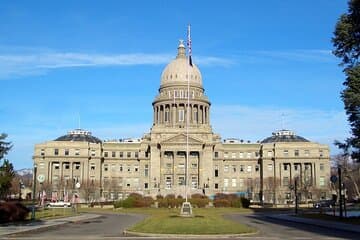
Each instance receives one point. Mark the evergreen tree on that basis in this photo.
(346, 42)
(6, 168)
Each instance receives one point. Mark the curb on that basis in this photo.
(182, 236)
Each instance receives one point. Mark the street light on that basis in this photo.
(33, 193)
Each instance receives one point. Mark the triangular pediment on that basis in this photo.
(181, 139)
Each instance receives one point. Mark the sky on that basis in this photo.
(266, 65)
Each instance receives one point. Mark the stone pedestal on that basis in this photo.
(186, 210)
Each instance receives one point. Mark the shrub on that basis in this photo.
(222, 202)
(134, 200)
(11, 212)
(245, 203)
(230, 200)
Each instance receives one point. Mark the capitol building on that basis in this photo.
(181, 154)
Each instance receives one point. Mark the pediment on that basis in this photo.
(181, 139)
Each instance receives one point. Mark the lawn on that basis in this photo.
(205, 221)
(48, 213)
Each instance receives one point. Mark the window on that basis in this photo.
(121, 168)
(257, 168)
(241, 168)
(167, 115)
(67, 165)
(194, 182)
(128, 154)
(181, 165)
(296, 153)
(106, 154)
(129, 168)
(136, 168)
(146, 170)
(321, 153)
(233, 182)
(77, 165)
(181, 181)
(181, 115)
(194, 165)
(241, 154)
(226, 168)
(66, 152)
(41, 165)
(216, 186)
(296, 167)
(233, 168)
(322, 167)
(226, 154)
(241, 182)
(226, 182)
(322, 181)
(168, 182)
(106, 167)
(285, 166)
(269, 153)
(286, 153)
(113, 154)
(286, 181)
(270, 167)
(92, 166)
(216, 170)
(216, 154)
(93, 152)
(136, 154)
(113, 167)
(307, 153)
(42, 152)
(146, 185)
(56, 151)
(233, 155)
(121, 154)
(195, 116)
(249, 168)
(248, 155)
(56, 165)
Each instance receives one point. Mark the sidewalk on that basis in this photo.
(14, 228)
(317, 222)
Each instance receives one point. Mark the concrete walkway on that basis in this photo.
(14, 228)
(316, 222)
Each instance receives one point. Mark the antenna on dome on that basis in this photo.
(79, 121)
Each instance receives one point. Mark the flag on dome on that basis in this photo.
(189, 45)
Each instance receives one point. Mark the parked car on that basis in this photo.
(324, 204)
(58, 204)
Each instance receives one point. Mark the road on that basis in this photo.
(111, 226)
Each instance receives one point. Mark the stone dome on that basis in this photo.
(284, 136)
(178, 70)
(79, 135)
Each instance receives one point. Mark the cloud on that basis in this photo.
(40, 62)
(257, 123)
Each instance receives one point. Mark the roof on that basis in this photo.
(79, 135)
(284, 136)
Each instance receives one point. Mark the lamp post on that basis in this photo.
(21, 184)
(33, 193)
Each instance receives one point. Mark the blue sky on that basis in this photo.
(266, 65)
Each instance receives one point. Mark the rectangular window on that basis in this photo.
(113, 167)
(269, 153)
(92, 166)
(181, 165)
(146, 170)
(286, 181)
(322, 181)
(194, 182)
(66, 152)
(77, 166)
(322, 167)
(233, 155)
(249, 168)
(136, 168)
(248, 155)
(106, 167)
(257, 168)
(56, 165)
(321, 153)
(216, 186)
(241, 168)
(226, 154)
(181, 115)
(241, 182)
(285, 166)
(128, 168)
(216, 170)
(167, 116)
(113, 154)
(194, 165)
(42, 152)
(136, 154)
(296, 153)
(106, 154)
(67, 165)
(121, 154)
(286, 153)
(233, 168)
(181, 181)
(56, 151)
(270, 167)
(128, 154)
(195, 116)
(307, 153)
(121, 168)
(216, 154)
(241, 154)
(41, 165)
(93, 152)
(233, 182)
(226, 182)
(226, 168)
(168, 182)
(77, 152)
(296, 167)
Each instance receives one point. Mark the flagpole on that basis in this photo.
(188, 115)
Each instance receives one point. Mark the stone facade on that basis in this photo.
(156, 163)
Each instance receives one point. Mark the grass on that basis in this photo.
(205, 221)
(351, 220)
(49, 213)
